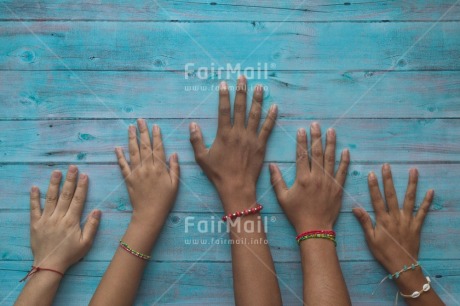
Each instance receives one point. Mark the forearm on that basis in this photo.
(40, 289)
(323, 281)
(411, 281)
(121, 281)
(254, 276)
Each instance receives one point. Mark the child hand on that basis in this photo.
(395, 239)
(313, 202)
(56, 238)
(152, 187)
(234, 161)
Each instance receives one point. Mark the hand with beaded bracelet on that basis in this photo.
(394, 240)
(233, 164)
(312, 205)
(56, 238)
(152, 186)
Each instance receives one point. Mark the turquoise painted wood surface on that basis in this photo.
(73, 75)
(304, 95)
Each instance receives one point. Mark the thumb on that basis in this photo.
(365, 221)
(196, 139)
(278, 183)
(91, 226)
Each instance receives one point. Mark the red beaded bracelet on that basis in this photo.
(245, 212)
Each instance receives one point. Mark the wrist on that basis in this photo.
(47, 264)
(235, 200)
(147, 223)
(409, 282)
(397, 263)
(313, 226)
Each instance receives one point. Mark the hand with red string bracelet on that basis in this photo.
(312, 205)
(56, 238)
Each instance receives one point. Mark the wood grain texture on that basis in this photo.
(197, 195)
(73, 75)
(199, 10)
(187, 236)
(210, 283)
(283, 46)
(370, 140)
(307, 95)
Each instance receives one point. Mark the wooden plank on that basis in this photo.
(196, 194)
(210, 283)
(186, 237)
(60, 94)
(166, 46)
(266, 10)
(370, 140)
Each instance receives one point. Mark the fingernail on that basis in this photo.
(357, 212)
(241, 78)
(271, 167)
(132, 130)
(57, 174)
(223, 85)
(413, 172)
(175, 157)
(346, 151)
(273, 108)
(431, 193)
(141, 123)
(156, 128)
(386, 167)
(315, 125)
(330, 132)
(34, 189)
(97, 214)
(72, 169)
(259, 88)
(83, 176)
(118, 149)
(301, 132)
(193, 127)
(371, 175)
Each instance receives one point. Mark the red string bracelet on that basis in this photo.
(36, 270)
(245, 212)
(315, 232)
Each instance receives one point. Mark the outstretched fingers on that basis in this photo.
(390, 192)
(159, 156)
(424, 208)
(224, 116)
(342, 171)
(268, 124)
(134, 155)
(376, 196)
(302, 163)
(174, 169)
(411, 191)
(278, 183)
(122, 163)
(256, 109)
(196, 139)
(52, 194)
(239, 109)
(316, 148)
(145, 143)
(365, 221)
(90, 228)
(35, 208)
(329, 155)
